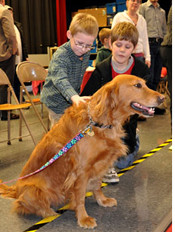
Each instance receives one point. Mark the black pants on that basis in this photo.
(17, 85)
(8, 66)
(156, 64)
(166, 54)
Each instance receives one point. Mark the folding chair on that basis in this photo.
(51, 51)
(27, 72)
(163, 84)
(8, 107)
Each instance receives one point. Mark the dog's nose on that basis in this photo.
(161, 99)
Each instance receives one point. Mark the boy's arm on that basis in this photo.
(58, 73)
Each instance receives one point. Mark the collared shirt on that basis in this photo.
(155, 18)
(64, 78)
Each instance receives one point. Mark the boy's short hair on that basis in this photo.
(104, 33)
(85, 23)
(125, 31)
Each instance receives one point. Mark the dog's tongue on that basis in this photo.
(149, 110)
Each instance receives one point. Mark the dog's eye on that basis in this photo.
(138, 85)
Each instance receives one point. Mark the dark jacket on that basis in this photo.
(103, 74)
(102, 54)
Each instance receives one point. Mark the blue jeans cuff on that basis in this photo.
(127, 160)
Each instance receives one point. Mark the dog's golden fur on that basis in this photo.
(81, 169)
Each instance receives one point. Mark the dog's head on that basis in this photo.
(125, 95)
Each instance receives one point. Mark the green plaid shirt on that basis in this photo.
(65, 74)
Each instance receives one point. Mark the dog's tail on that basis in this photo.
(7, 191)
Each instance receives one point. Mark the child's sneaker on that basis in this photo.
(111, 176)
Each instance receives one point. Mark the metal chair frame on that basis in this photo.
(163, 85)
(27, 72)
(4, 80)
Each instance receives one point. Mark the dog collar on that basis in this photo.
(93, 123)
(99, 125)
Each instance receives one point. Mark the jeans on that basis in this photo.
(53, 117)
(125, 161)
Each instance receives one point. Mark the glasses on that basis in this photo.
(85, 46)
(136, 1)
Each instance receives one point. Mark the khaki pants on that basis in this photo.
(53, 117)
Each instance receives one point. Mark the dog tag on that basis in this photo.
(90, 132)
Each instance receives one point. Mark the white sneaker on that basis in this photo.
(111, 176)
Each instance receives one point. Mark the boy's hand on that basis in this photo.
(77, 99)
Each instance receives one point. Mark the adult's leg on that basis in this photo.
(156, 64)
(152, 52)
(157, 67)
(17, 85)
(166, 54)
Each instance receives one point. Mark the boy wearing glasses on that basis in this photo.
(68, 65)
(124, 38)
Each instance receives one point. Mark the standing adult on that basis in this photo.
(22, 52)
(156, 27)
(8, 50)
(166, 54)
(131, 15)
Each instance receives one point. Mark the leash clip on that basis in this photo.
(88, 130)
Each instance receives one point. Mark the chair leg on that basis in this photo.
(167, 90)
(33, 105)
(27, 127)
(42, 114)
(20, 126)
(39, 117)
(48, 124)
(23, 116)
(8, 122)
(20, 116)
(8, 117)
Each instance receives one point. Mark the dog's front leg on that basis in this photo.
(84, 220)
(101, 199)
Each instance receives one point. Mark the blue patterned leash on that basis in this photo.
(71, 143)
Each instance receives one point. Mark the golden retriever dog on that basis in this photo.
(82, 168)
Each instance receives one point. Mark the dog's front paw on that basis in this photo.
(107, 202)
(87, 222)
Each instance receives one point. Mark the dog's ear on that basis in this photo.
(105, 100)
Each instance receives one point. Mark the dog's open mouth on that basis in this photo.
(147, 111)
